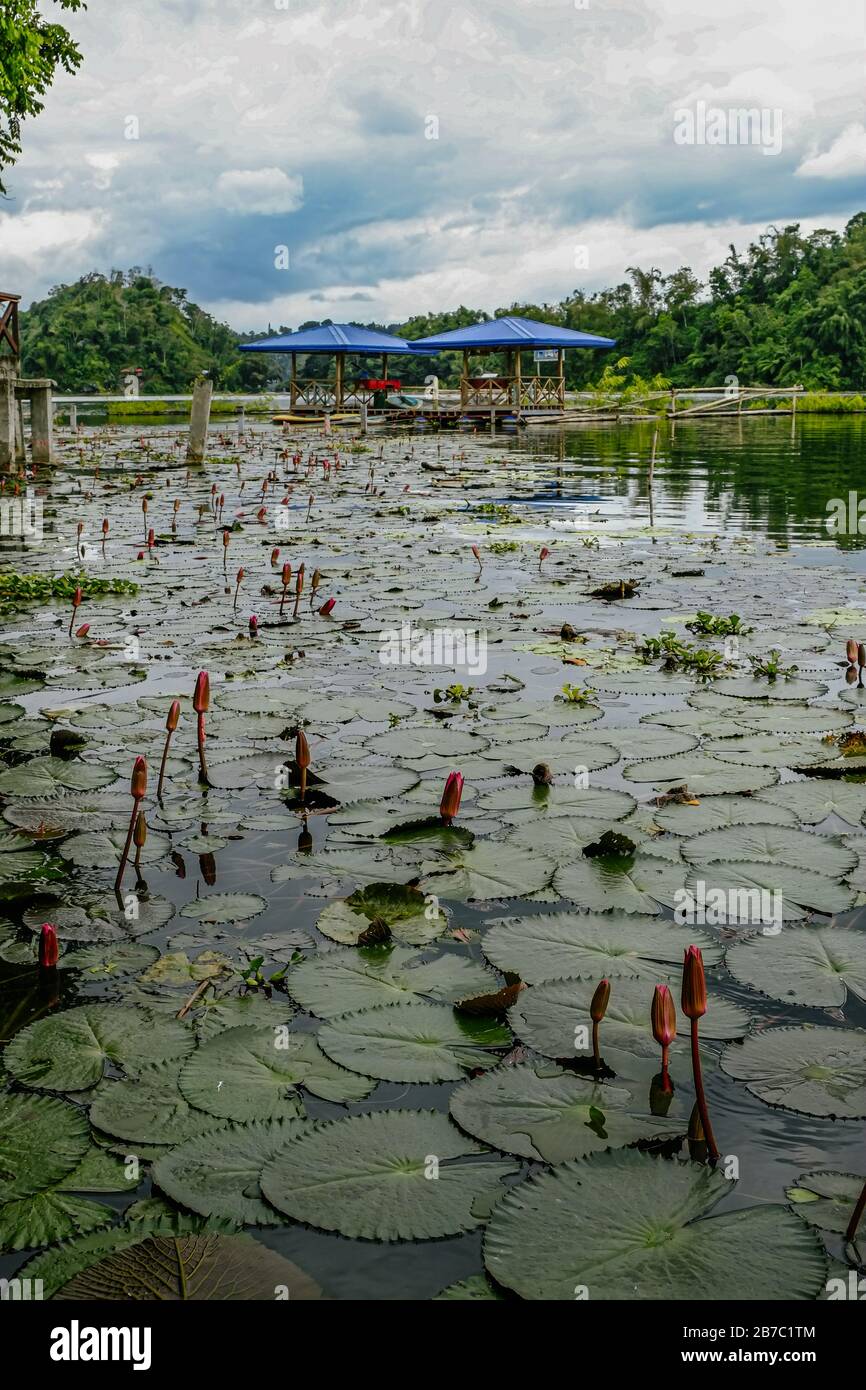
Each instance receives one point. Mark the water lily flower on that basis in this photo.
(137, 790)
(302, 759)
(851, 651)
(476, 552)
(171, 723)
(254, 625)
(201, 705)
(327, 607)
(83, 630)
(694, 1006)
(287, 579)
(664, 1025)
(275, 555)
(450, 803)
(49, 948)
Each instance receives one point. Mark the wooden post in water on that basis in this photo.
(20, 447)
(8, 411)
(199, 419)
(41, 423)
(794, 410)
(338, 381)
(363, 417)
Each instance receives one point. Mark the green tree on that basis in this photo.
(31, 51)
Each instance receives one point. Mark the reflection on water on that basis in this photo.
(752, 475)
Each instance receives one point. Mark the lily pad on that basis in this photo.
(69, 1051)
(218, 1173)
(488, 871)
(545, 1239)
(41, 1141)
(826, 1199)
(815, 1071)
(406, 912)
(592, 946)
(341, 982)
(413, 1042)
(391, 1175)
(815, 966)
(813, 801)
(718, 812)
(770, 844)
(224, 907)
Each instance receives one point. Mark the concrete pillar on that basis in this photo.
(8, 412)
(73, 416)
(199, 419)
(20, 451)
(41, 424)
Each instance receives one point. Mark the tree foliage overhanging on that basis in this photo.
(789, 310)
(32, 50)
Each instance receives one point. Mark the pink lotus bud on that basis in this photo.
(326, 608)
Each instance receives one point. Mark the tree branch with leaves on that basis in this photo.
(31, 51)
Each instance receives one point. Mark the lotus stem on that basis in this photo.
(170, 724)
(138, 787)
(76, 604)
(856, 1215)
(299, 589)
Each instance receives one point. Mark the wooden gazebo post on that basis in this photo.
(338, 381)
(464, 380)
(293, 388)
(517, 385)
(560, 367)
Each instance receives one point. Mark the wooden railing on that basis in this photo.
(524, 393)
(9, 331)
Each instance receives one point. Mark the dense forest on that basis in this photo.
(790, 309)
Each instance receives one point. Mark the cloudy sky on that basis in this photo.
(412, 155)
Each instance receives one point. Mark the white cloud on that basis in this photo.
(846, 157)
(259, 191)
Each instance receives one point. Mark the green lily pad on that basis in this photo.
(391, 1175)
(218, 1173)
(637, 884)
(546, 1241)
(771, 844)
(550, 1115)
(592, 946)
(48, 1217)
(488, 871)
(69, 1051)
(41, 1141)
(815, 966)
(224, 907)
(826, 1199)
(718, 812)
(702, 774)
(409, 914)
(812, 801)
(253, 1074)
(52, 777)
(413, 1042)
(340, 982)
(815, 1071)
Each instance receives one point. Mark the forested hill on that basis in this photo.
(85, 335)
(790, 309)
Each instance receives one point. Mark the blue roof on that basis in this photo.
(510, 332)
(333, 338)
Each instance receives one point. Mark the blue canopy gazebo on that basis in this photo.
(512, 336)
(337, 340)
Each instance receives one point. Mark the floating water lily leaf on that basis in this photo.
(336, 868)
(414, 743)
(413, 1042)
(648, 743)
(545, 1239)
(562, 755)
(212, 1014)
(489, 871)
(96, 917)
(717, 812)
(192, 1268)
(703, 775)
(176, 969)
(69, 1051)
(99, 1171)
(755, 688)
(341, 982)
(550, 1017)
(815, 1071)
(476, 1287)
(252, 1074)
(41, 1141)
(47, 1217)
(816, 966)
(551, 1115)
(218, 1173)
(528, 803)
(225, 907)
(369, 1177)
(591, 946)
(734, 892)
(109, 962)
(771, 844)
(635, 884)
(351, 782)
(52, 777)
(826, 1199)
(404, 911)
(147, 1110)
(101, 849)
(812, 801)
(769, 750)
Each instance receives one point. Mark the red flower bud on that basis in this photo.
(327, 607)
(138, 784)
(287, 575)
(173, 716)
(302, 750)
(49, 949)
(851, 651)
(83, 630)
(76, 598)
(600, 1000)
(254, 625)
(275, 555)
(663, 1016)
(139, 836)
(201, 694)
(105, 527)
(450, 803)
(694, 995)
